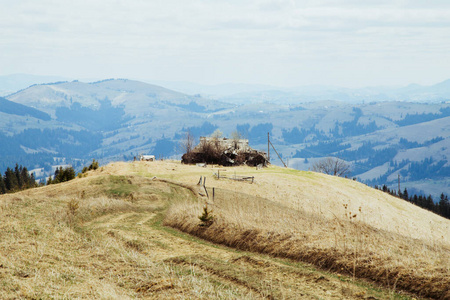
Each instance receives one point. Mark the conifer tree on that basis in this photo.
(62, 175)
(17, 173)
(405, 195)
(429, 203)
(444, 206)
(447, 207)
(11, 180)
(70, 173)
(420, 201)
(58, 175)
(2, 185)
(32, 180)
(25, 178)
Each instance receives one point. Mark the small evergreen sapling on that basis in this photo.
(207, 218)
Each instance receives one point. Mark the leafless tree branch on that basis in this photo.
(332, 166)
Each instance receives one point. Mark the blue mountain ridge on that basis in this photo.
(13, 108)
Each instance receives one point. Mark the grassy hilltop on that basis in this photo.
(132, 230)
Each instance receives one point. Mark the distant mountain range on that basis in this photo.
(117, 119)
(236, 93)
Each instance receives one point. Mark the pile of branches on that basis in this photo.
(213, 153)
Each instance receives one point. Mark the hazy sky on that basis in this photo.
(286, 43)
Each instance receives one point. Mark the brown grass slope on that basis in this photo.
(102, 237)
(335, 223)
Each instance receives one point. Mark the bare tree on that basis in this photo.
(236, 136)
(187, 143)
(217, 134)
(332, 166)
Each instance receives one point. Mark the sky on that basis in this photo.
(352, 43)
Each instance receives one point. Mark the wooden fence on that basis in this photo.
(220, 175)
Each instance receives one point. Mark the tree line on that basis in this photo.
(16, 179)
(19, 178)
(441, 208)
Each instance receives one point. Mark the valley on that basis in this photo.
(118, 119)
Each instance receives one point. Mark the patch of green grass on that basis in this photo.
(120, 186)
(147, 174)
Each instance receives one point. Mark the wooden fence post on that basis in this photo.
(204, 186)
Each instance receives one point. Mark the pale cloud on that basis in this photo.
(283, 42)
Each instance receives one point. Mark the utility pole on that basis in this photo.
(268, 147)
(277, 153)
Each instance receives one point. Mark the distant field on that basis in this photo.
(106, 236)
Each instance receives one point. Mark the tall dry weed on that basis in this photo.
(72, 209)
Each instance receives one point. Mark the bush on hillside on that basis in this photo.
(93, 166)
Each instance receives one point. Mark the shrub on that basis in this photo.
(206, 219)
(93, 166)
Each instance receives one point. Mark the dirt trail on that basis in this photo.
(256, 276)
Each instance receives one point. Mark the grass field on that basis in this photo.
(289, 235)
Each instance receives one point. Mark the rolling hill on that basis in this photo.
(105, 120)
(14, 82)
(9, 107)
(110, 234)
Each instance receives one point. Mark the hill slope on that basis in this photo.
(131, 116)
(101, 236)
(9, 107)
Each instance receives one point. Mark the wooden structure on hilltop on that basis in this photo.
(225, 152)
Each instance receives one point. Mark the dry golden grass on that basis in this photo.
(58, 242)
(357, 231)
(101, 237)
(349, 247)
